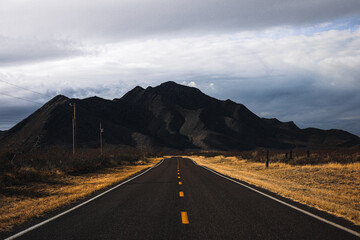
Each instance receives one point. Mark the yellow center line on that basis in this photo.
(180, 183)
(178, 173)
(178, 176)
(184, 218)
(181, 194)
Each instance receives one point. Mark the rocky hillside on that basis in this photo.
(169, 116)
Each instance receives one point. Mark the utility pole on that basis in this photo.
(74, 129)
(101, 145)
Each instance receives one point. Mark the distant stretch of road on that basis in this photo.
(178, 199)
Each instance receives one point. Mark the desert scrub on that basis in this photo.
(332, 187)
(30, 192)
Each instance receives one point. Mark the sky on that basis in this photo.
(292, 60)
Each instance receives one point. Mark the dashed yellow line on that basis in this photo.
(184, 218)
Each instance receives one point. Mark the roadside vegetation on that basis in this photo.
(34, 184)
(37, 183)
(327, 181)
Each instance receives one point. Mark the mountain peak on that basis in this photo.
(134, 94)
(169, 84)
(171, 88)
(138, 88)
(57, 99)
(185, 96)
(170, 115)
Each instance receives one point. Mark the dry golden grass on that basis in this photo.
(331, 187)
(23, 202)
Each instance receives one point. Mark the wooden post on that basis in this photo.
(101, 145)
(75, 129)
(267, 159)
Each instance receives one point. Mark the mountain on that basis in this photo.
(169, 116)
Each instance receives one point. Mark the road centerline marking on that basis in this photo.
(184, 218)
(180, 183)
(181, 194)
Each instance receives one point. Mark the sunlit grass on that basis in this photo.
(332, 187)
(26, 201)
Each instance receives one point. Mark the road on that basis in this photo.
(181, 200)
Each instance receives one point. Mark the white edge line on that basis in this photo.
(286, 204)
(77, 206)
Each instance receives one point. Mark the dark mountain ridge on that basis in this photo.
(169, 116)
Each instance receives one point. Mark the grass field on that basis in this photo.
(29, 192)
(332, 187)
(28, 199)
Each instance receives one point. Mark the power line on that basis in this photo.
(5, 94)
(9, 95)
(1, 80)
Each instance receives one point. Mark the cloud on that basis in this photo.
(300, 100)
(15, 51)
(10, 115)
(350, 118)
(192, 84)
(295, 60)
(38, 31)
(112, 19)
(257, 61)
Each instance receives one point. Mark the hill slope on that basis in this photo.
(167, 116)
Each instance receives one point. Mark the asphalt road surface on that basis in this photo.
(181, 200)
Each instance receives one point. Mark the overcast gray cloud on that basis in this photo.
(128, 18)
(23, 50)
(295, 60)
(44, 29)
(11, 115)
(302, 102)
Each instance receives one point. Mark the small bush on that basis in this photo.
(299, 156)
(21, 168)
(6, 160)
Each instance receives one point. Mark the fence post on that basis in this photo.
(267, 159)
